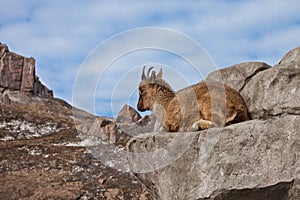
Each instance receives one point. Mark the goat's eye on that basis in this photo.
(142, 92)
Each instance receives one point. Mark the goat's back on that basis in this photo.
(210, 100)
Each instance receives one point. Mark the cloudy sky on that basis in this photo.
(97, 48)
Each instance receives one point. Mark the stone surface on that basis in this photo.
(144, 125)
(128, 115)
(40, 89)
(274, 91)
(18, 73)
(237, 76)
(280, 191)
(252, 154)
(292, 56)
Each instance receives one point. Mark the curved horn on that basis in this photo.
(149, 71)
(143, 77)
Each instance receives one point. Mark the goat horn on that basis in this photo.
(149, 71)
(159, 75)
(143, 74)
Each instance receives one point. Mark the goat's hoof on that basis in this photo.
(201, 124)
(205, 124)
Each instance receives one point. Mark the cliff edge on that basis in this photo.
(17, 73)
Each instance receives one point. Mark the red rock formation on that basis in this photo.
(18, 73)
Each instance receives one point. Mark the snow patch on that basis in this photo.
(18, 129)
(89, 141)
(7, 138)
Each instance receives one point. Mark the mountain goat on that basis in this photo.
(200, 106)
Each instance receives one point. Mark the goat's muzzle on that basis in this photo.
(140, 106)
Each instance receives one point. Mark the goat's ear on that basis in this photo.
(159, 75)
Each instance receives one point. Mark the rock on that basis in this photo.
(294, 191)
(18, 73)
(253, 154)
(39, 89)
(280, 191)
(274, 91)
(237, 76)
(291, 56)
(144, 125)
(105, 129)
(128, 115)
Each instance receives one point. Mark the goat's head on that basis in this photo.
(148, 89)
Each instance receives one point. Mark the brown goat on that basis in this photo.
(200, 106)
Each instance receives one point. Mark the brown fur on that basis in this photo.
(200, 106)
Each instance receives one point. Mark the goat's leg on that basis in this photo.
(201, 124)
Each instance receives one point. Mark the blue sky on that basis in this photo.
(61, 35)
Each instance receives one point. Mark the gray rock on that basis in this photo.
(280, 191)
(274, 91)
(252, 154)
(144, 125)
(237, 76)
(128, 115)
(291, 56)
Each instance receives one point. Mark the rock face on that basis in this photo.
(253, 154)
(17, 73)
(237, 76)
(291, 56)
(256, 159)
(274, 92)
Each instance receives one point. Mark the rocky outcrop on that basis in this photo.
(17, 73)
(128, 115)
(253, 154)
(291, 56)
(256, 159)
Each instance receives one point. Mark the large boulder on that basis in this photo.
(237, 76)
(252, 154)
(292, 56)
(274, 91)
